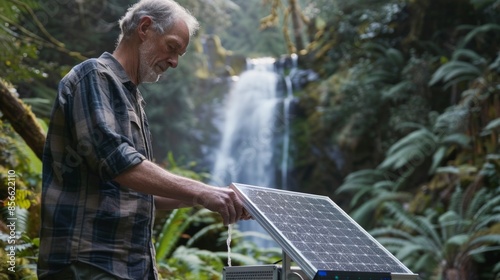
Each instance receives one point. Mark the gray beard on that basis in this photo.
(146, 72)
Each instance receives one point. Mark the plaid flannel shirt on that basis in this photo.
(98, 130)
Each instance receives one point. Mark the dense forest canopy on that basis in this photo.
(400, 129)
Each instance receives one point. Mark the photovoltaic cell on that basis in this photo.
(316, 233)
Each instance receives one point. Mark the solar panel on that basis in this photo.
(319, 236)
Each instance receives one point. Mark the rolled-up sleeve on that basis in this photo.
(121, 159)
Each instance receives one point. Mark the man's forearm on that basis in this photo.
(171, 189)
(163, 203)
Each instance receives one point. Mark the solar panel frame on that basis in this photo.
(284, 233)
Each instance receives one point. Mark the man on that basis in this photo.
(100, 188)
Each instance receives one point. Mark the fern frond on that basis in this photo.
(414, 137)
(479, 30)
(410, 126)
(361, 193)
(374, 48)
(449, 222)
(486, 239)
(487, 208)
(200, 233)
(197, 263)
(476, 203)
(384, 185)
(426, 262)
(453, 245)
(426, 228)
(485, 222)
(417, 224)
(495, 65)
(453, 72)
(395, 243)
(468, 54)
(460, 139)
(416, 145)
(370, 175)
(437, 158)
(484, 249)
(451, 120)
(350, 187)
(360, 180)
(175, 225)
(395, 57)
(493, 124)
(398, 91)
(364, 214)
(402, 216)
(408, 250)
(237, 258)
(380, 77)
(456, 201)
(22, 218)
(465, 77)
(390, 231)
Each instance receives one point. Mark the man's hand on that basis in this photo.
(225, 202)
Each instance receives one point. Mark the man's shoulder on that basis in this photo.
(90, 66)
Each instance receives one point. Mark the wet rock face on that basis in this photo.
(288, 66)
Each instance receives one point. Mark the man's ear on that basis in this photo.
(145, 23)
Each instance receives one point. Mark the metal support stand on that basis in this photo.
(285, 266)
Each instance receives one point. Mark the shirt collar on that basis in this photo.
(115, 66)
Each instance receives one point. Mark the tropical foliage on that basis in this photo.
(448, 244)
(20, 174)
(401, 129)
(410, 125)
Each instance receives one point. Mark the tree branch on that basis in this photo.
(22, 120)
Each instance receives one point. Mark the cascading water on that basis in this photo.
(287, 100)
(256, 129)
(248, 151)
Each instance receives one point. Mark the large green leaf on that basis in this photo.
(399, 91)
(361, 179)
(493, 124)
(453, 72)
(469, 55)
(173, 228)
(486, 239)
(449, 223)
(364, 213)
(416, 146)
(408, 250)
(480, 30)
(395, 57)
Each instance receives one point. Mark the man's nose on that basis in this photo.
(173, 61)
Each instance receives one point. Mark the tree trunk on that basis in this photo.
(297, 26)
(22, 120)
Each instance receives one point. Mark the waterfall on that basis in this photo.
(288, 98)
(255, 135)
(247, 152)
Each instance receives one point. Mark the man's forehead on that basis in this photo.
(179, 33)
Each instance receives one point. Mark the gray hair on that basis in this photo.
(164, 13)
